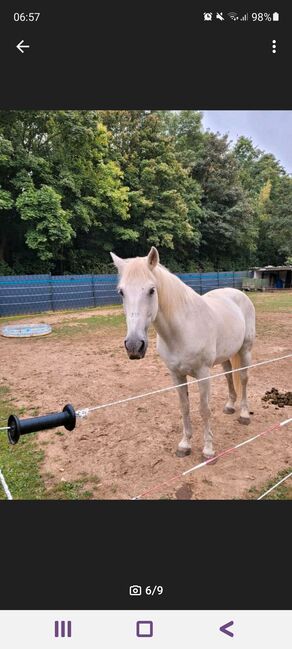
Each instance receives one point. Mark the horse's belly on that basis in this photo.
(230, 343)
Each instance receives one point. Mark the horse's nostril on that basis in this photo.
(141, 348)
(135, 346)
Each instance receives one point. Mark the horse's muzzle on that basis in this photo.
(136, 349)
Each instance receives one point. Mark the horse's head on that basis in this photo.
(137, 286)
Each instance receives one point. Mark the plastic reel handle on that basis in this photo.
(18, 427)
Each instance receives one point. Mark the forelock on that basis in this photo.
(137, 268)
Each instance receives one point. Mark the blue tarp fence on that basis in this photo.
(21, 294)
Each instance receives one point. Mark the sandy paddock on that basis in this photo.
(124, 450)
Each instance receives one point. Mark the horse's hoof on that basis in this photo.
(228, 411)
(244, 420)
(211, 460)
(182, 452)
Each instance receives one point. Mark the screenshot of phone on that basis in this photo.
(145, 325)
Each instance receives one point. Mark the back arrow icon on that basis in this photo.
(21, 46)
(225, 627)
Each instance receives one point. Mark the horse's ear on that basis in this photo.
(153, 258)
(118, 261)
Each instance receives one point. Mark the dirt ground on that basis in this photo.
(126, 450)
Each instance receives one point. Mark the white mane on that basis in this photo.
(173, 294)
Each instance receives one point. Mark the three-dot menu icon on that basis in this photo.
(274, 46)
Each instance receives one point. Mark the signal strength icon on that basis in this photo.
(245, 17)
(233, 15)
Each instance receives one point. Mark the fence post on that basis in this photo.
(93, 292)
(51, 292)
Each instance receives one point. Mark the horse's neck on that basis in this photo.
(176, 303)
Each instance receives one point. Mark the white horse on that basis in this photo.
(193, 333)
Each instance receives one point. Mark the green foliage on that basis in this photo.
(49, 223)
(229, 227)
(60, 189)
(269, 188)
(6, 201)
(75, 185)
(279, 228)
(164, 199)
(5, 269)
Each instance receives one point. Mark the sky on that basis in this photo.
(270, 130)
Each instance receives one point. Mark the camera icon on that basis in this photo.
(135, 590)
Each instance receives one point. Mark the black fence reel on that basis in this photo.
(18, 427)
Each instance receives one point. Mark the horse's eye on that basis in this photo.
(121, 292)
(152, 290)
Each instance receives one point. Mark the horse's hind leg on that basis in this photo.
(184, 447)
(245, 359)
(229, 406)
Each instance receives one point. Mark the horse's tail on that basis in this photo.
(236, 363)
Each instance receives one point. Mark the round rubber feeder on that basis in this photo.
(25, 331)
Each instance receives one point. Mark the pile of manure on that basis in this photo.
(280, 399)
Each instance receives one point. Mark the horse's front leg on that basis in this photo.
(204, 388)
(184, 447)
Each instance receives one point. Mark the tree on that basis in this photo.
(228, 227)
(277, 242)
(270, 190)
(76, 184)
(186, 129)
(60, 156)
(164, 199)
(49, 227)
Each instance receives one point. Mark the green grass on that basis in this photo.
(92, 323)
(282, 492)
(271, 302)
(21, 465)
(44, 314)
(74, 326)
(69, 491)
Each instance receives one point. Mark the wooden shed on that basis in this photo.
(269, 277)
